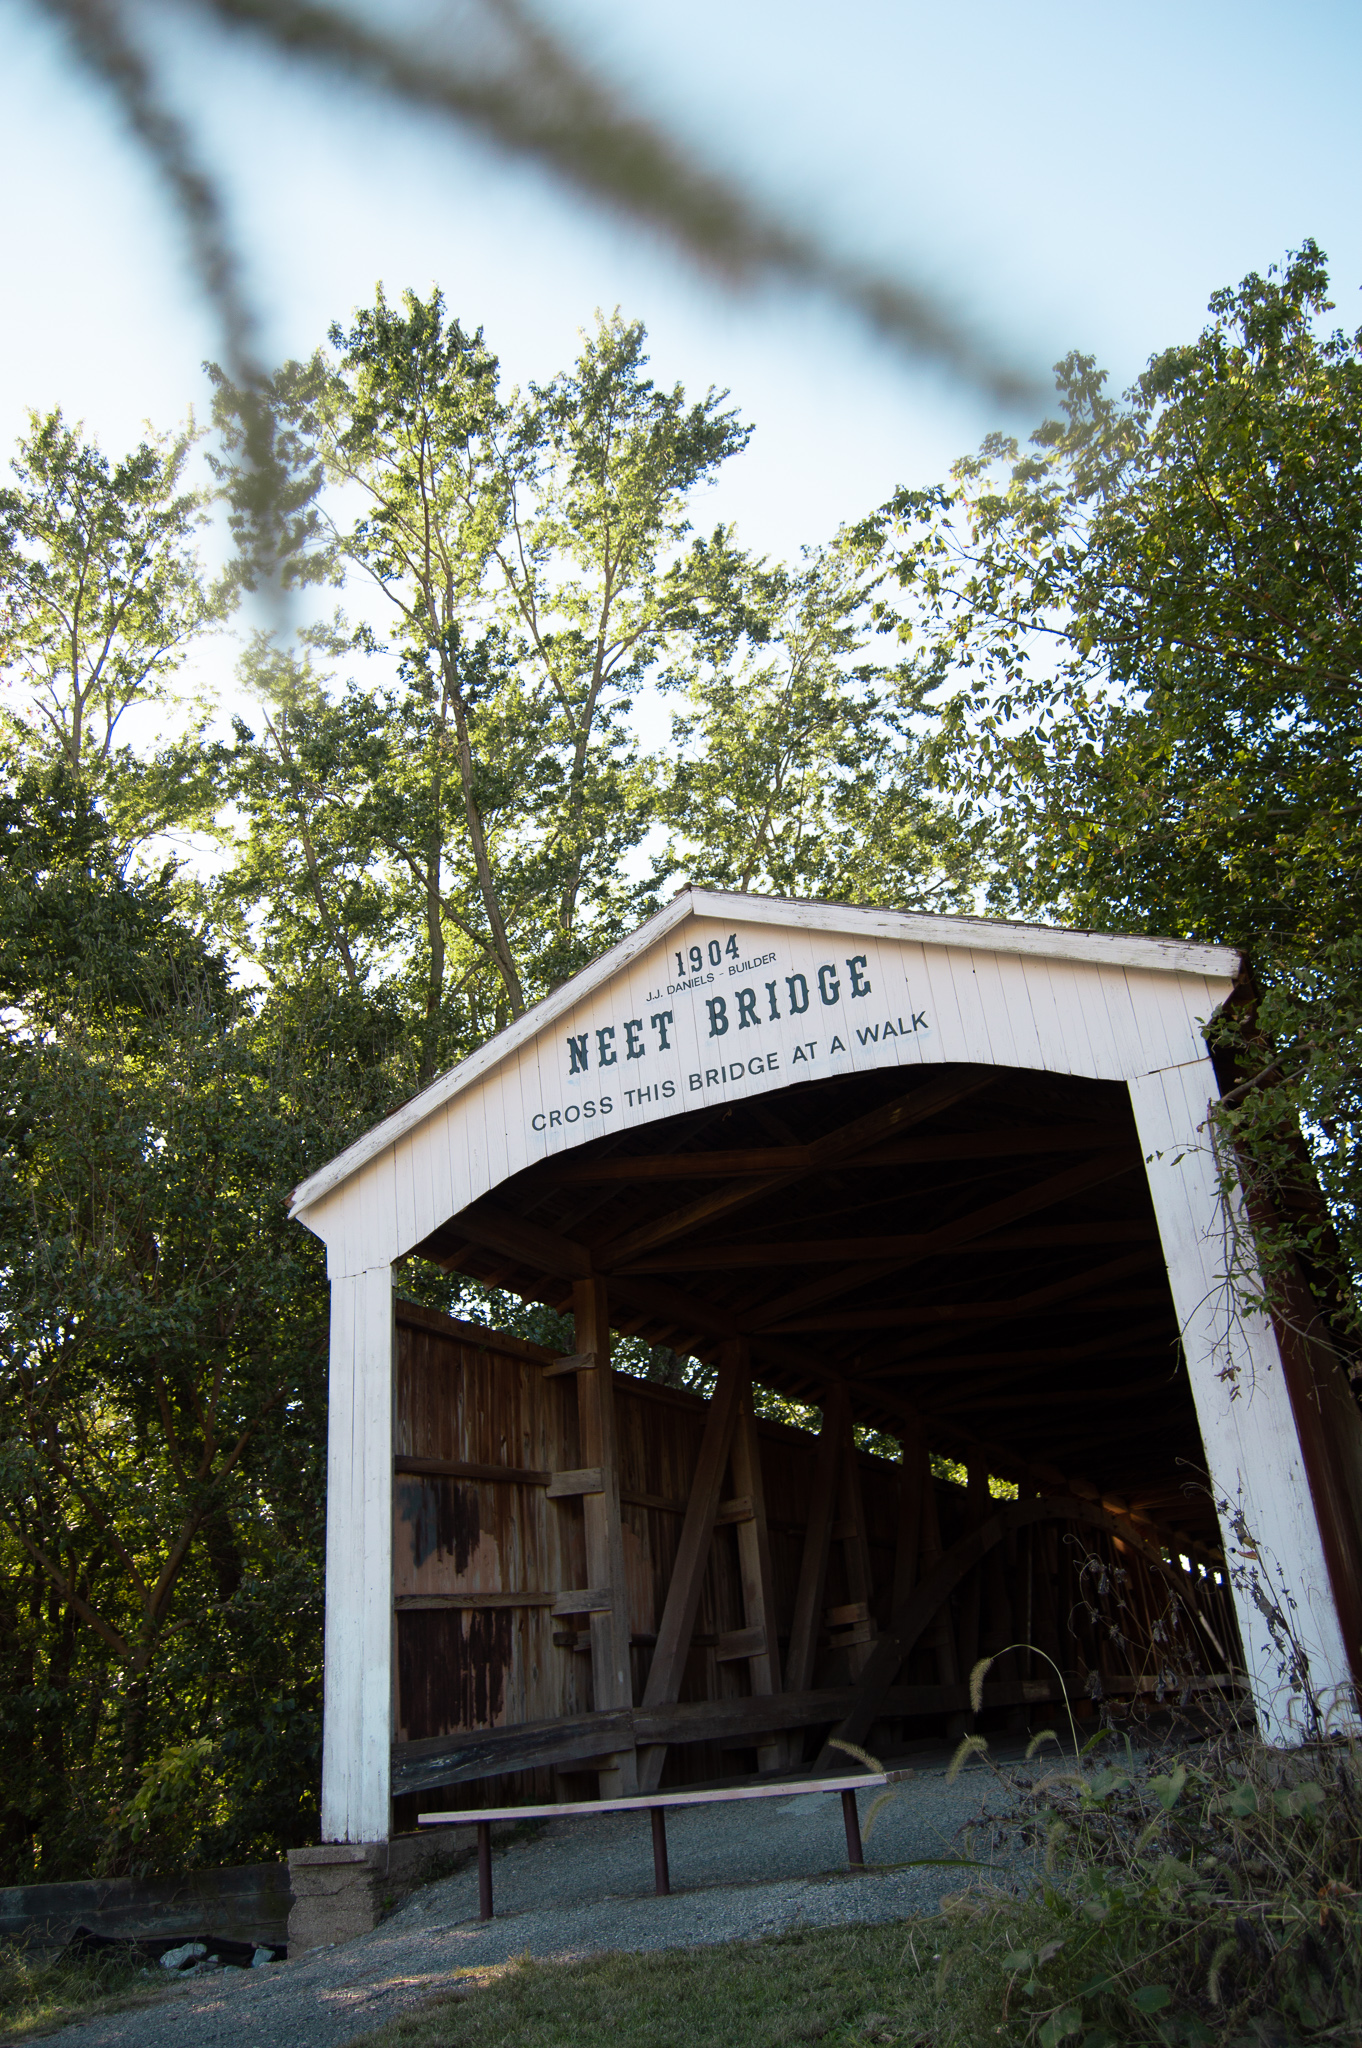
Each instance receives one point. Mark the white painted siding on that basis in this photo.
(357, 1703)
(1243, 1408)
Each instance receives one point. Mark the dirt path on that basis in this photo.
(580, 1887)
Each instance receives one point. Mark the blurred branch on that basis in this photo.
(497, 72)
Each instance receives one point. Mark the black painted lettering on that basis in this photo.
(577, 1048)
(756, 1066)
(829, 988)
(711, 1077)
(836, 1046)
(747, 1008)
(659, 1022)
(588, 1109)
(870, 1035)
(539, 1122)
(634, 1048)
(859, 985)
(772, 1062)
(606, 1056)
(607, 1104)
(799, 994)
(669, 1088)
(555, 1118)
(771, 999)
(695, 1081)
(572, 1114)
(718, 1015)
(920, 1020)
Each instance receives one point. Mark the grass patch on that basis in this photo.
(1214, 1903)
(937, 1982)
(42, 1989)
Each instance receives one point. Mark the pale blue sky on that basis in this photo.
(1067, 175)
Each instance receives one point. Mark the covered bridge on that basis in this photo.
(944, 1180)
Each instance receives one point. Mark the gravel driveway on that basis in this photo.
(575, 1889)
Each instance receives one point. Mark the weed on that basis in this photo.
(41, 1988)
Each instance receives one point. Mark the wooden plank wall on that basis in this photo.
(483, 1548)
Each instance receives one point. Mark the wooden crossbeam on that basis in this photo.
(929, 1100)
(916, 1612)
(677, 1625)
(933, 1314)
(754, 1560)
(1040, 1195)
(1134, 1390)
(740, 1163)
(611, 1677)
(546, 1250)
(800, 1251)
(1106, 1346)
(813, 1566)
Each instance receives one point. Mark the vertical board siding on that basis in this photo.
(1243, 1409)
(481, 1667)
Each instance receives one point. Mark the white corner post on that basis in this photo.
(357, 1694)
(1243, 1404)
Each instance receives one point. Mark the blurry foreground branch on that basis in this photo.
(496, 72)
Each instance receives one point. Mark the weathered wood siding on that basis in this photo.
(477, 1561)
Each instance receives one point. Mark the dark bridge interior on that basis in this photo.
(970, 1252)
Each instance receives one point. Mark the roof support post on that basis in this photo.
(677, 1625)
(357, 1710)
(1270, 1525)
(754, 1553)
(611, 1679)
(813, 1567)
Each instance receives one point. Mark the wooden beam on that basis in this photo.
(773, 1160)
(813, 1568)
(754, 1559)
(414, 1315)
(677, 1625)
(915, 1475)
(1041, 1195)
(855, 1547)
(1129, 1342)
(820, 1251)
(573, 1485)
(931, 1315)
(543, 1250)
(464, 1756)
(925, 1602)
(460, 1468)
(926, 1100)
(611, 1679)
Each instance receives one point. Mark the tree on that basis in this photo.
(162, 1362)
(101, 588)
(530, 552)
(1147, 632)
(802, 763)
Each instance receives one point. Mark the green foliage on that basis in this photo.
(1144, 635)
(42, 1989)
(103, 595)
(801, 767)
(530, 552)
(162, 1367)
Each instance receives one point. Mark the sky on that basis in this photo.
(1062, 176)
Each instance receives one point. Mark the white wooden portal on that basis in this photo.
(720, 997)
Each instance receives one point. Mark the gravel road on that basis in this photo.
(580, 1887)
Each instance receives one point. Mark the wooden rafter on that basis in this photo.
(925, 1101)
(775, 1160)
(797, 1251)
(1040, 1195)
